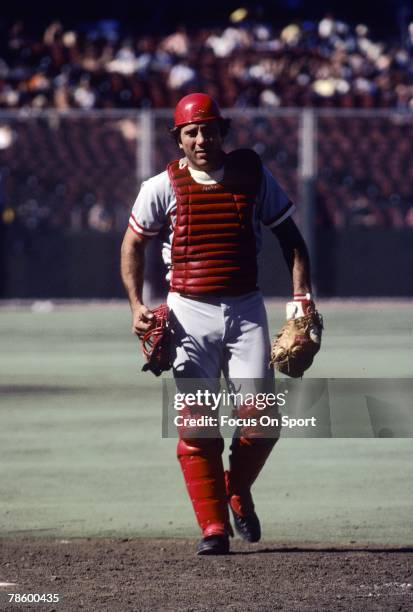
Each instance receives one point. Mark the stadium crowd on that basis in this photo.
(244, 64)
(82, 174)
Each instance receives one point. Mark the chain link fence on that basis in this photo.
(81, 170)
(69, 171)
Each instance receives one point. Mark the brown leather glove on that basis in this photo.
(294, 348)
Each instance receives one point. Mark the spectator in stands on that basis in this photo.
(326, 64)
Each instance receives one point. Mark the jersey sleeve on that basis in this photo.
(149, 212)
(274, 204)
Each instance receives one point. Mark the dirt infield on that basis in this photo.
(165, 575)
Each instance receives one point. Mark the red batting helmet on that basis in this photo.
(195, 108)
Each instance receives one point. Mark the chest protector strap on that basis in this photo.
(214, 247)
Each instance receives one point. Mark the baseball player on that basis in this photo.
(213, 204)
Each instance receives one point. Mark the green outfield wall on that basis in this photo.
(357, 262)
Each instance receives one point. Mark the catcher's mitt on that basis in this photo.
(156, 342)
(294, 348)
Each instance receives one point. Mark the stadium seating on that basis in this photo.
(80, 171)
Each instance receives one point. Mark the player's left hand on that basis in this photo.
(299, 340)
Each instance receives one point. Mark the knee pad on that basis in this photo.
(259, 423)
(196, 447)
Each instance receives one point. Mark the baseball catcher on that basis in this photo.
(212, 205)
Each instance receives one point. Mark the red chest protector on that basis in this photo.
(213, 247)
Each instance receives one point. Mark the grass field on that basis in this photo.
(81, 452)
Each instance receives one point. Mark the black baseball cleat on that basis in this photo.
(213, 545)
(248, 526)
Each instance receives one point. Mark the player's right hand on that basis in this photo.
(142, 319)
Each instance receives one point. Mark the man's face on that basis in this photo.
(201, 143)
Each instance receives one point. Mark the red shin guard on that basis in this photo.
(203, 471)
(248, 456)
